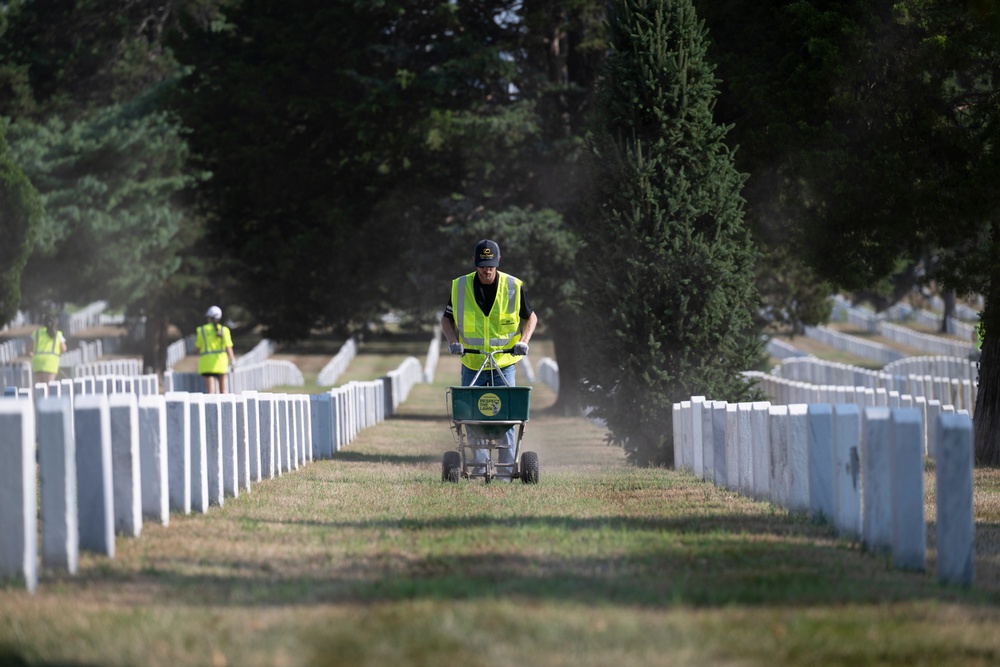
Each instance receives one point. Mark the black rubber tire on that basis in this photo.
(529, 468)
(451, 467)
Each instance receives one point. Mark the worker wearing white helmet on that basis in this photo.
(215, 349)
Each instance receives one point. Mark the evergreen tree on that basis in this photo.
(108, 184)
(71, 57)
(872, 132)
(668, 271)
(115, 227)
(20, 211)
(328, 129)
(80, 83)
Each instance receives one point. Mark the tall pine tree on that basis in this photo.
(669, 265)
(20, 211)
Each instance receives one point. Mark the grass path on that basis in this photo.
(370, 560)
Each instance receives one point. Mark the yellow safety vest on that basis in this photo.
(46, 352)
(213, 357)
(498, 330)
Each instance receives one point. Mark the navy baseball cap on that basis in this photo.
(487, 253)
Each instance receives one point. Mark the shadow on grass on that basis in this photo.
(987, 563)
(396, 459)
(734, 525)
(413, 417)
(329, 344)
(10, 657)
(708, 561)
(384, 349)
(986, 557)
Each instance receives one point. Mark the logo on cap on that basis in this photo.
(487, 253)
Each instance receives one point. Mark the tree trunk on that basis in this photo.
(949, 310)
(987, 416)
(154, 344)
(987, 419)
(568, 357)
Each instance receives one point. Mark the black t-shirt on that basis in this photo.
(485, 296)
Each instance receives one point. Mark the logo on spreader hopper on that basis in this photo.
(489, 404)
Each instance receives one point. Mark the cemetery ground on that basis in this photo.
(369, 559)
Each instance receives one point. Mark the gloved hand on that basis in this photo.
(456, 348)
(519, 349)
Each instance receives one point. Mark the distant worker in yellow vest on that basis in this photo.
(215, 351)
(485, 312)
(44, 347)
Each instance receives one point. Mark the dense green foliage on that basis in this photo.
(71, 57)
(668, 266)
(82, 84)
(406, 131)
(20, 211)
(108, 184)
(870, 133)
(115, 226)
(866, 128)
(354, 120)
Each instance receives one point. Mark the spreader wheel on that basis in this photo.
(529, 468)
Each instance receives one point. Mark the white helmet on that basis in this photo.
(214, 312)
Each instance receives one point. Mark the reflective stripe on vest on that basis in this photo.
(496, 331)
(204, 341)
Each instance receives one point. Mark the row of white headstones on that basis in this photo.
(862, 470)
(107, 461)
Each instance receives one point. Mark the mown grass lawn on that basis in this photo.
(370, 560)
